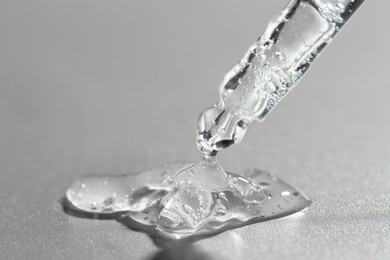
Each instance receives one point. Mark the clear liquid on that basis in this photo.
(271, 68)
(169, 202)
(178, 200)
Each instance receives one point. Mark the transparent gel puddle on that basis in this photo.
(171, 202)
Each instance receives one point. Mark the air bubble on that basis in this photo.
(108, 201)
(187, 209)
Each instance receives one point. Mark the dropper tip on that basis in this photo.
(210, 157)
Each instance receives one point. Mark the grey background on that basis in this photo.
(107, 87)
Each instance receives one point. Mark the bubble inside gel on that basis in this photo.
(181, 200)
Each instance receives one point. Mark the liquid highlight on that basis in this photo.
(158, 205)
(178, 201)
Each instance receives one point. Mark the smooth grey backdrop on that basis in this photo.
(108, 87)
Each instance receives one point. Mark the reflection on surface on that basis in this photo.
(135, 200)
(178, 249)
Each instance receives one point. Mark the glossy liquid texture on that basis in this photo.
(161, 204)
(271, 68)
(178, 200)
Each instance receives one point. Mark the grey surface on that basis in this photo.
(108, 87)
